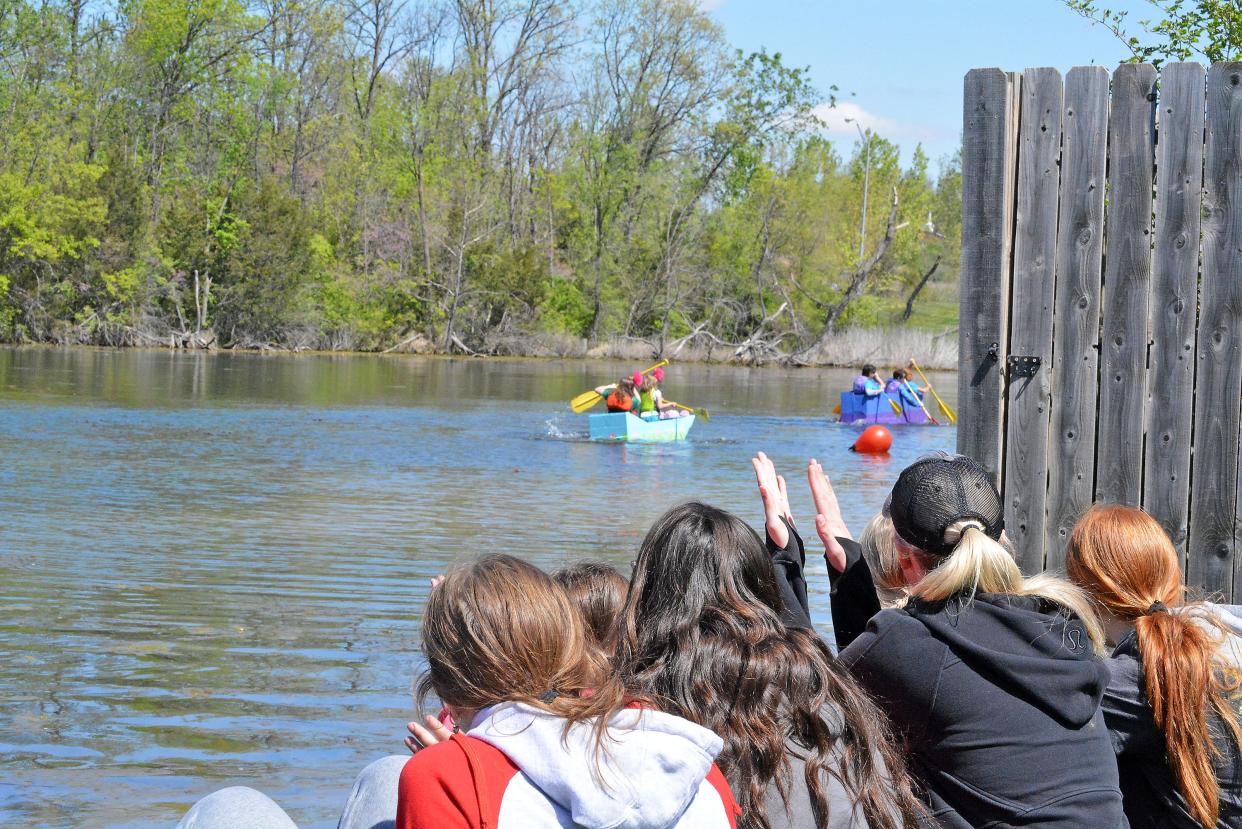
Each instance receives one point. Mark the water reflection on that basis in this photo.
(212, 566)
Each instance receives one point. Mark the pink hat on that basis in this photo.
(659, 375)
(637, 378)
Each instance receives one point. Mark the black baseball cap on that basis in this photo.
(937, 491)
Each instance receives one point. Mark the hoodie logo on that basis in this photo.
(1074, 635)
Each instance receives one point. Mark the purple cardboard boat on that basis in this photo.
(888, 408)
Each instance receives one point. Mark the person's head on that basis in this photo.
(879, 548)
(650, 383)
(626, 386)
(1124, 559)
(500, 629)
(701, 637)
(901, 374)
(598, 591)
(948, 520)
(868, 370)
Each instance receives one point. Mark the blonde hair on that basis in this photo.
(879, 549)
(979, 562)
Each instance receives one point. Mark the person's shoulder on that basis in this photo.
(894, 637)
(897, 618)
(448, 783)
(451, 761)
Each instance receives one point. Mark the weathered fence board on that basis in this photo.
(1218, 377)
(1030, 333)
(1084, 161)
(1174, 303)
(1127, 388)
(1127, 286)
(988, 167)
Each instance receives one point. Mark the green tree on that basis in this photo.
(1181, 29)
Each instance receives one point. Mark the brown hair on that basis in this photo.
(649, 382)
(499, 630)
(701, 637)
(1125, 560)
(598, 591)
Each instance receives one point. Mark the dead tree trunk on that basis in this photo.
(859, 280)
(905, 315)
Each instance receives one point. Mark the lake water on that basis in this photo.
(212, 566)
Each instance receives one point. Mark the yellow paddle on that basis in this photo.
(944, 407)
(922, 405)
(697, 412)
(588, 399)
(893, 403)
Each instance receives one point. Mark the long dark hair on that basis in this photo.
(701, 638)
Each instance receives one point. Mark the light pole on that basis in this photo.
(866, 139)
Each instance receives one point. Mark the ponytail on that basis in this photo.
(1127, 563)
(1179, 677)
(979, 562)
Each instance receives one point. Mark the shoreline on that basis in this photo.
(852, 348)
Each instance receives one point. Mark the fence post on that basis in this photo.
(1174, 302)
(1030, 330)
(1084, 161)
(1127, 286)
(1218, 380)
(988, 171)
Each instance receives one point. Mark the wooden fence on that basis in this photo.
(1101, 310)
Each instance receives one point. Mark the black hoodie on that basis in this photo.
(996, 698)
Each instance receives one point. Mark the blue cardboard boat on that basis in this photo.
(623, 426)
(858, 408)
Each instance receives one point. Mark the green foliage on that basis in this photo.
(1184, 29)
(335, 176)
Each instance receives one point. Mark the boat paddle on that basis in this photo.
(696, 412)
(922, 405)
(588, 399)
(944, 407)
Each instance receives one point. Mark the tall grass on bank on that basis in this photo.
(885, 346)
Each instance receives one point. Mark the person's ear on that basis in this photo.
(910, 562)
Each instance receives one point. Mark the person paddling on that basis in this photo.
(867, 383)
(620, 396)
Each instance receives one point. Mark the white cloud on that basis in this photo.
(841, 120)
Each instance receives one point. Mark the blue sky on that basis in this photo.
(905, 60)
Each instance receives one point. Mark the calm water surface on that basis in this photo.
(212, 566)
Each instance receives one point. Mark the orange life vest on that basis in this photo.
(618, 401)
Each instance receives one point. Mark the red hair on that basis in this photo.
(1123, 557)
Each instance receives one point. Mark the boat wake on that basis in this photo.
(553, 431)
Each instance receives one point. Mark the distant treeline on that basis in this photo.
(355, 174)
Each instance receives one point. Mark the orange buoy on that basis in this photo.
(874, 440)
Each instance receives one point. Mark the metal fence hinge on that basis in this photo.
(1023, 366)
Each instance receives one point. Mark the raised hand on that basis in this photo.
(775, 499)
(425, 734)
(829, 522)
